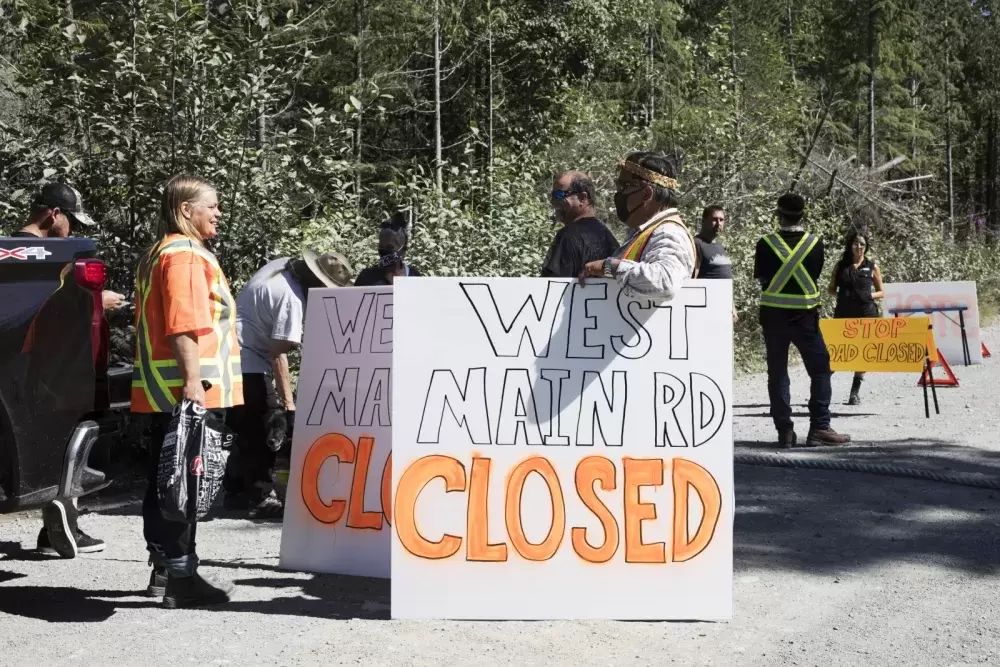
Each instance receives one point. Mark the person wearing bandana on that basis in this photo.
(659, 253)
(392, 242)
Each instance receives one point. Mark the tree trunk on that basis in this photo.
(489, 107)
(359, 18)
(261, 103)
(75, 83)
(872, 64)
(173, 92)
(992, 214)
(438, 162)
(914, 185)
(134, 126)
(650, 74)
(950, 229)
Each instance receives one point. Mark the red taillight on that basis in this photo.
(90, 274)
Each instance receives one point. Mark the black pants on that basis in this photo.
(804, 334)
(250, 470)
(170, 543)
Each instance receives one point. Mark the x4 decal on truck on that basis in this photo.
(36, 252)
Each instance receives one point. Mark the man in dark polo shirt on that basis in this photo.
(583, 237)
(715, 263)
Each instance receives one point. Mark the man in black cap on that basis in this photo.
(788, 264)
(56, 212)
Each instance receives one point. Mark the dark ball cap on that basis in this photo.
(66, 199)
(791, 204)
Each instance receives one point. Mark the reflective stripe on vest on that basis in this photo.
(637, 246)
(791, 267)
(156, 377)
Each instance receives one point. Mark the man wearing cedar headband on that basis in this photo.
(583, 237)
(659, 253)
(788, 264)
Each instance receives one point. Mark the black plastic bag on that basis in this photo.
(192, 463)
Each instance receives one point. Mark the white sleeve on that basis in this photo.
(661, 270)
(288, 315)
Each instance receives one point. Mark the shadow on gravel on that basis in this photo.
(320, 596)
(815, 521)
(805, 413)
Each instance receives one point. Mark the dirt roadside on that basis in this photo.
(831, 568)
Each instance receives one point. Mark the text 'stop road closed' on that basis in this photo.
(337, 510)
(561, 451)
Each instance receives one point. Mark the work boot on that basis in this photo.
(826, 437)
(86, 544)
(854, 399)
(195, 591)
(157, 587)
(57, 530)
(787, 438)
(269, 507)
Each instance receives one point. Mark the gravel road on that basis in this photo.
(832, 568)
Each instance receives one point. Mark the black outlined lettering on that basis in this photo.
(576, 339)
(598, 409)
(555, 377)
(706, 399)
(377, 400)
(336, 389)
(381, 339)
(351, 333)
(669, 394)
(518, 410)
(641, 347)
(507, 339)
(467, 406)
(689, 297)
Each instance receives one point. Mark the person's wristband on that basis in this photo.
(608, 270)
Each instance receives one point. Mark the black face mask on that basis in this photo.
(621, 206)
(388, 257)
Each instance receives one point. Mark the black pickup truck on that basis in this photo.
(59, 401)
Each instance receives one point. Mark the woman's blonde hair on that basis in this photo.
(179, 190)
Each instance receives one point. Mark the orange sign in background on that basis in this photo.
(894, 345)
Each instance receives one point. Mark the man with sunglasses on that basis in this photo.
(659, 253)
(583, 237)
(56, 212)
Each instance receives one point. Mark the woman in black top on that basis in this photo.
(857, 282)
(392, 242)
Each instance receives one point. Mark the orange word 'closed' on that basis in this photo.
(684, 475)
(338, 446)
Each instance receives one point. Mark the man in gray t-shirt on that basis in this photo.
(270, 312)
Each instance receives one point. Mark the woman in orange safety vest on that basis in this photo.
(186, 347)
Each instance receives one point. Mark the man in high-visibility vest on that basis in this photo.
(788, 264)
(659, 253)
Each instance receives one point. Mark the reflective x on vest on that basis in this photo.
(791, 267)
(158, 381)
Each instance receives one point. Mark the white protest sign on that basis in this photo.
(947, 329)
(561, 452)
(337, 514)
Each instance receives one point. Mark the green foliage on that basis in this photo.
(317, 120)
